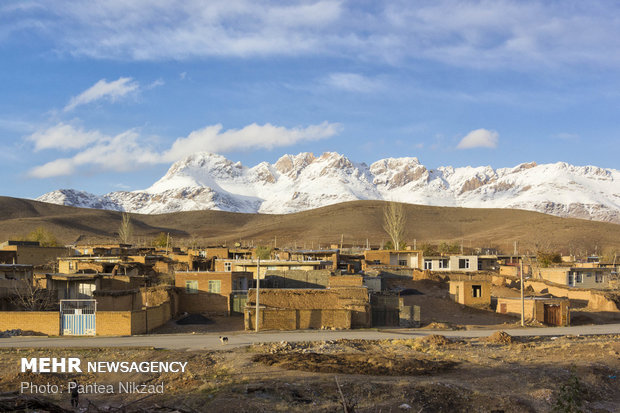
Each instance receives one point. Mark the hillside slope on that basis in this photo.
(357, 221)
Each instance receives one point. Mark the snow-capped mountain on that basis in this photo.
(304, 181)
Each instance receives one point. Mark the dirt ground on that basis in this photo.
(498, 373)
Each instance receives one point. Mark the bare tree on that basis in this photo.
(125, 231)
(31, 296)
(394, 223)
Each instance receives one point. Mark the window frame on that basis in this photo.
(211, 286)
(191, 286)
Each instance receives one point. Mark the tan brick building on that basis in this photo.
(210, 291)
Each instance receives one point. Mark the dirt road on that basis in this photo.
(210, 341)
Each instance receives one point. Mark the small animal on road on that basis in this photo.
(224, 340)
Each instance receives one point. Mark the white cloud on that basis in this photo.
(352, 82)
(212, 139)
(63, 137)
(479, 138)
(485, 34)
(104, 90)
(130, 151)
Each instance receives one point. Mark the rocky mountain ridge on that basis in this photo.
(305, 181)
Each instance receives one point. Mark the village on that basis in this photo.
(119, 289)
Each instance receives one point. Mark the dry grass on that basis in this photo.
(357, 221)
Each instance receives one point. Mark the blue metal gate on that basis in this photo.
(78, 317)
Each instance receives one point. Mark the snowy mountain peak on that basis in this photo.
(304, 181)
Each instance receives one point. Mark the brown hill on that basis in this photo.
(355, 221)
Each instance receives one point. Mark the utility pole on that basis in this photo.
(522, 297)
(167, 242)
(341, 240)
(257, 287)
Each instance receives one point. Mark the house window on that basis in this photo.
(86, 289)
(598, 278)
(476, 291)
(227, 266)
(463, 263)
(376, 262)
(402, 263)
(215, 286)
(191, 286)
(70, 265)
(571, 279)
(578, 278)
(428, 264)
(444, 263)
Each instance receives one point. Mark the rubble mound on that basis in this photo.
(194, 319)
(499, 337)
(438, 326)
(435, 340)
(354, 364)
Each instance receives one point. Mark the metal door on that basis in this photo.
(78, 317)
(238, 302)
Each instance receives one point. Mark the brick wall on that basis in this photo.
(44, 322)
(114, 323)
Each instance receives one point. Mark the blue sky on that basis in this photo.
(102, 96)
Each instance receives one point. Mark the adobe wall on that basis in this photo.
(154, 316)
(513, 307)
(346, 281)
(597, 301)
(353, 299)
(292, 319)
(203, 302)
(534, 309)
(299, 278)
(40, 255)
(509, 270)
(43, 322)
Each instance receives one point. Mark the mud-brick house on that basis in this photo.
(475, 293)
(298, 309)
(218, 292)
(392, 259)
(13, 277)
(83, 286)
(551, 311)
(32, 253)
(326, 256)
